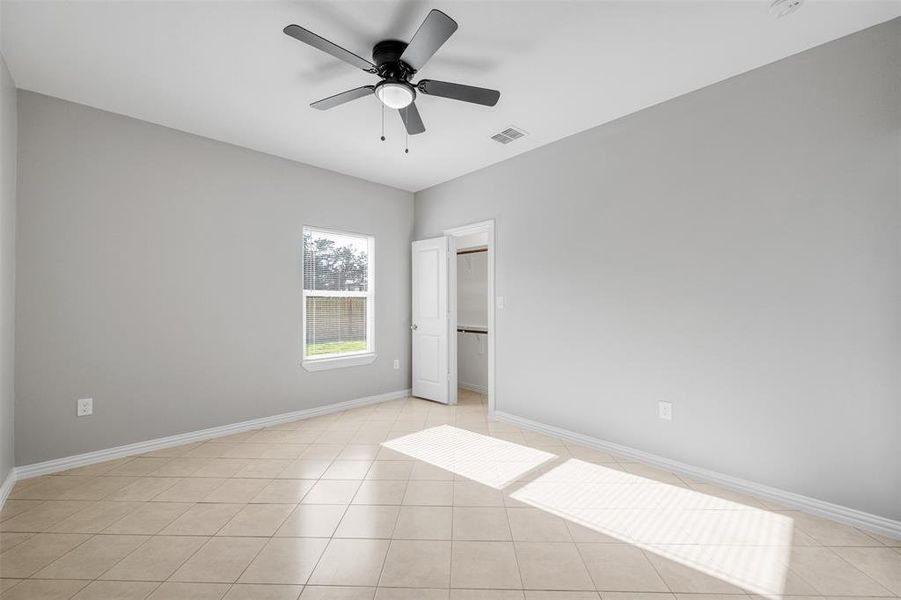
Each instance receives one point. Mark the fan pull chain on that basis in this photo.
(383, 122)
(406, 142)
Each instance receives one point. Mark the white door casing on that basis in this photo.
(430, 323)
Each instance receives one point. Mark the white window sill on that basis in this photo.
(338, 362)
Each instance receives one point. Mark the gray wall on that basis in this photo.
(159, 273)
(734, 251)
(8, 145)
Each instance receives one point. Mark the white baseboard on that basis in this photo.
(89, 458)
(842, 514)
(7, 486)
(473, 387)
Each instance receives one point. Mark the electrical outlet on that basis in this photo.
(665, 410)
(500, 302)
(84, 407)
(396, 364)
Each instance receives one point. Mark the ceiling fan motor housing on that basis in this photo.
(386, 56)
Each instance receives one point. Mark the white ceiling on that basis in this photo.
(225, 70)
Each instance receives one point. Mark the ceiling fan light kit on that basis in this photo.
(395, 63)
(395, 94)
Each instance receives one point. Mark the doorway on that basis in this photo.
(471, 293)
(435, 328)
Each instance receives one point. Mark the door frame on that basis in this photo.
(479, 227)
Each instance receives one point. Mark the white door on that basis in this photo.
(430, 326)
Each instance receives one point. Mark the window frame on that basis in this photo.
(322, 362)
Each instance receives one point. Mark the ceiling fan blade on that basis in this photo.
(339, 99)
(412, 121)
(431, 35)
(458, 91)
(320, 43)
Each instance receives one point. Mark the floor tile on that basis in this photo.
(373, 522)
(540, 595)
(418, 564)
(312, 520)
(487, 595)
(11, 539)
(5, 584)
(381, 492)
(682, 578)
(189, 490)
(116, 590)
(316, 592)
(881, 564)
(305, 469)
(189, 591)
(390, 470)
(11, 508)
(237, 490)
(347, 469)
(202, 519)
(490, 565)
(90, 559)
(44, 589)
(222, 467)
(429, 493)
(480, 524)
(641, 596)
(43, 516)
(143, 489)
(149, 519)
(331, 492)
(263, 468)
(385, 593)
(829, 533)
(424, 523)
(220, 560)
(98, 488)
(472, 493)
(257, 520)
(251, 591)
(551, 566)
(831, 575)
(536, 525)
(32, 555)
(94, 518)
(156, 559)
(286, 561)
(359, 452)
(284, 491)
(184, 466)
(620, 568)
(351, 562)
(139, 466)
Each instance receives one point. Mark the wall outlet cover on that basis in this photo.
(84, 407)
(396, 364)
(665, 410)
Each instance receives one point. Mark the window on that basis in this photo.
(337, 299)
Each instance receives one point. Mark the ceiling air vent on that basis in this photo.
(508, 135)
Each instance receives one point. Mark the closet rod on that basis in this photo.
(459, 330)
(477, 250)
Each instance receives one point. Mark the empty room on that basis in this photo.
(464, 300)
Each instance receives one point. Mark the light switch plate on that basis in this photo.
(84, 407)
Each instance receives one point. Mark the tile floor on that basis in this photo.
(414, 500)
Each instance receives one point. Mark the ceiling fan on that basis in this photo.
(395, 62)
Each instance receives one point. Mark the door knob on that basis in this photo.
(414, 327)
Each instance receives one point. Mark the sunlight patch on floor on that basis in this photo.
(487, 460)
(742, 545)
